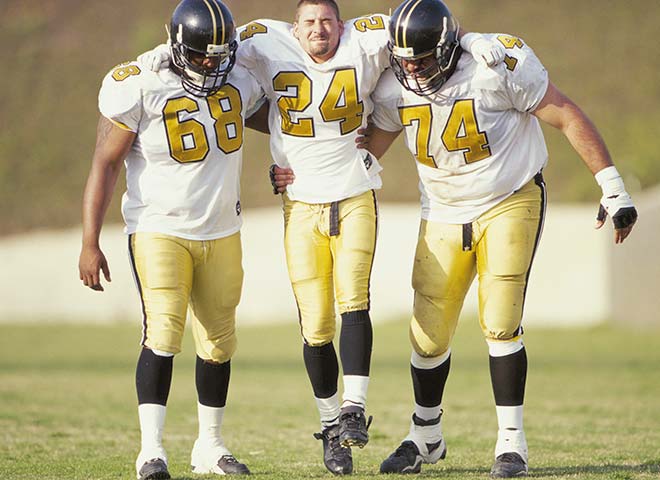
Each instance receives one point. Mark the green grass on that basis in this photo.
(67, 404)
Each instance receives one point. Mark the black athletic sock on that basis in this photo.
(322, 369)
(429, 385)
(153, 377)
(508, 375)
(356, 342)
(212, 382)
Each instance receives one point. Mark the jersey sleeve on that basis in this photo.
(255, 95)
(120, 97)
(372, 31)
(386, 98)
(254, 40)
(527, 78)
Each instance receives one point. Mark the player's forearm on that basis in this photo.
(259, 120)
(559, 111)
(380, 141)
(587, 142)
(112, 146)
(96, 200)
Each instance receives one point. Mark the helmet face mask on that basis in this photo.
(198, 32)
(424, 45)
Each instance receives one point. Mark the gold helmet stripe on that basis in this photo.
(398, 24)
(405, 25)
(222, 19)
(215, 22)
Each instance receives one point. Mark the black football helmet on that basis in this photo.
(424, 29)
(206, 28)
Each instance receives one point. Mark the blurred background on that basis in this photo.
(602, 53)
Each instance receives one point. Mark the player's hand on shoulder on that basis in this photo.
(484, 50)
(616, 203)
(156, 59)
(92, 261)
(280, 177)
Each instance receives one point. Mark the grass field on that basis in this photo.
(67, 404)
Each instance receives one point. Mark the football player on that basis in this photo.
(318, 74)
(180, 134)
(475, 134)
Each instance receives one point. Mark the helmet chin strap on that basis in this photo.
(196, 78)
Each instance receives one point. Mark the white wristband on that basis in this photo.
(610, 181)
(606, 174)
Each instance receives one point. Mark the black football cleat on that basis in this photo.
(353, 428)
(155, 469)
(230, 466)
(509, 465)
(405, 459)
(424, 444)
(337, 459)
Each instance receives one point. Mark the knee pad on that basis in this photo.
(427, 346)
(221, 350)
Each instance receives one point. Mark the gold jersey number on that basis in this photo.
(341, 102)
(422, 116)
(461, 133)
(125, 70)
(188, 139)
(252, 29)
(374, 22)
(509, 43)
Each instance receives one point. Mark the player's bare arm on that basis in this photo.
(558, 110)
(259, 120)
(280, 177)
(112, 146)
(371, 138)
(376, 140)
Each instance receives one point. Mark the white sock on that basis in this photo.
(210, 424)
(510, 418)
(152, 424)
(355, 391)
(427, 413)
(510, 436)
(328, 410)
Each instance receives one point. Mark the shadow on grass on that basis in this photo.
(607, 471)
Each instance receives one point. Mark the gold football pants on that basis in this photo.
(172, 273)
(498, 247)
(329, 252)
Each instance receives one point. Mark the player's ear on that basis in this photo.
(295, 30)
(341, 27)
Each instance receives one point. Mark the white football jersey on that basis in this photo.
(183, 170)
(475, 140)
(316, 109)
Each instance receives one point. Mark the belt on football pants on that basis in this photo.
(334, 219)
(467, 227)
(467, 237)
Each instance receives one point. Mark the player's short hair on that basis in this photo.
(331, 3)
